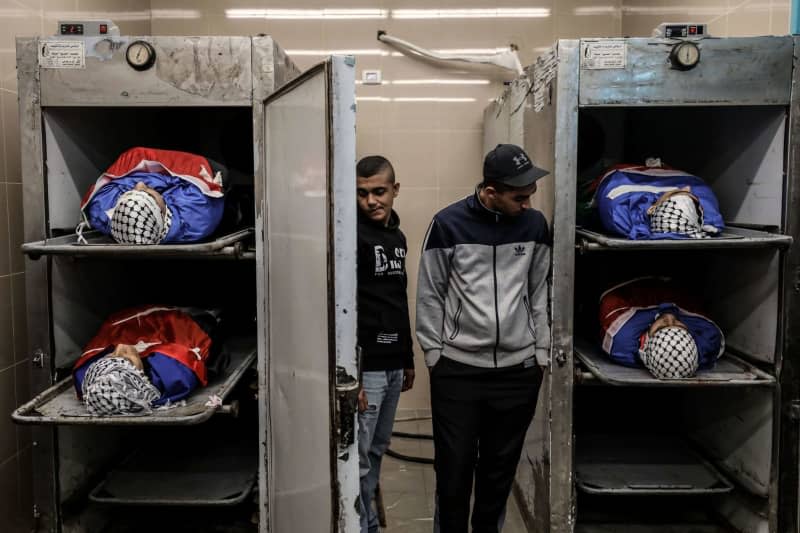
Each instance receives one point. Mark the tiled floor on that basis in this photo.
(408, 487)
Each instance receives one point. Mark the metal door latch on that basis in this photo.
(794, 410)
(347, 388)
(37, 359)
(797, 280)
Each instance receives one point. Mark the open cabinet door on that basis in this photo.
(307, 282)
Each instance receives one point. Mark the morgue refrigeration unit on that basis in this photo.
(611, 448)
(269, 444)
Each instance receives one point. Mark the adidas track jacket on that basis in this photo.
(482, 292)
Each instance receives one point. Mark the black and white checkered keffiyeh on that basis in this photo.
(137, 219)
(678, 214)
(113, 386)
(670, 353)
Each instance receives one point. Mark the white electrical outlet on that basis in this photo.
(371, 77)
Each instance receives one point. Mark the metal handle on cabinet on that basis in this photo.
(37, 359)
(230, 409)
(347, 388)
(794, 410)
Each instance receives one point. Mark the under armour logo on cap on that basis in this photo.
(520, 160)
(510, 165)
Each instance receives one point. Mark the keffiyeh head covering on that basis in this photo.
(113, 386)
(670, 353)
(137, 219)
(681, 213)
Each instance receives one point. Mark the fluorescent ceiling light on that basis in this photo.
(95, 15)
(596, 10)
(473, 13)
(356, 52)
(429, 82)
(408, 99)
(175, 13)
(673, 10)
(439, 82)
(430, 99)
(306, 14)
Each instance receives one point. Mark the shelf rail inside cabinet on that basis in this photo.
(729, 370)
(231, 245)
(732, 237)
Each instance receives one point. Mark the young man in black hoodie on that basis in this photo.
(384, 330)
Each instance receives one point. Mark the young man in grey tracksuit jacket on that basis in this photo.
(482, 321)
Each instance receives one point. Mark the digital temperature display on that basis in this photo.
(72, 29)
(684, 30)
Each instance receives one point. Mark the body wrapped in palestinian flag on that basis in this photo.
(171, 344)
(629, 309)
(625, 194)
(189, 185)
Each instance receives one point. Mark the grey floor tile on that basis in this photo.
(409, 481)
(406, 446)
(406, 505)
(410, 525)
(430, 481)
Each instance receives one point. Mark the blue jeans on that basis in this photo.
(374, 433)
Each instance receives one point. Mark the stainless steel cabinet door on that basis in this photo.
(307, 272)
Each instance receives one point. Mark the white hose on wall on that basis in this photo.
(507, 59)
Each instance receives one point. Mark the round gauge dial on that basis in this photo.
(140, 55)
(685, 55)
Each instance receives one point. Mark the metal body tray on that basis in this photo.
(59, 405)
(631, 464)
(732, 237)
(196, 469)
(728, 371)
(100, 245)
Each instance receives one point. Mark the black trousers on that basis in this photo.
(480, 417)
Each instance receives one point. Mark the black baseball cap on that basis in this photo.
(510, 165)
